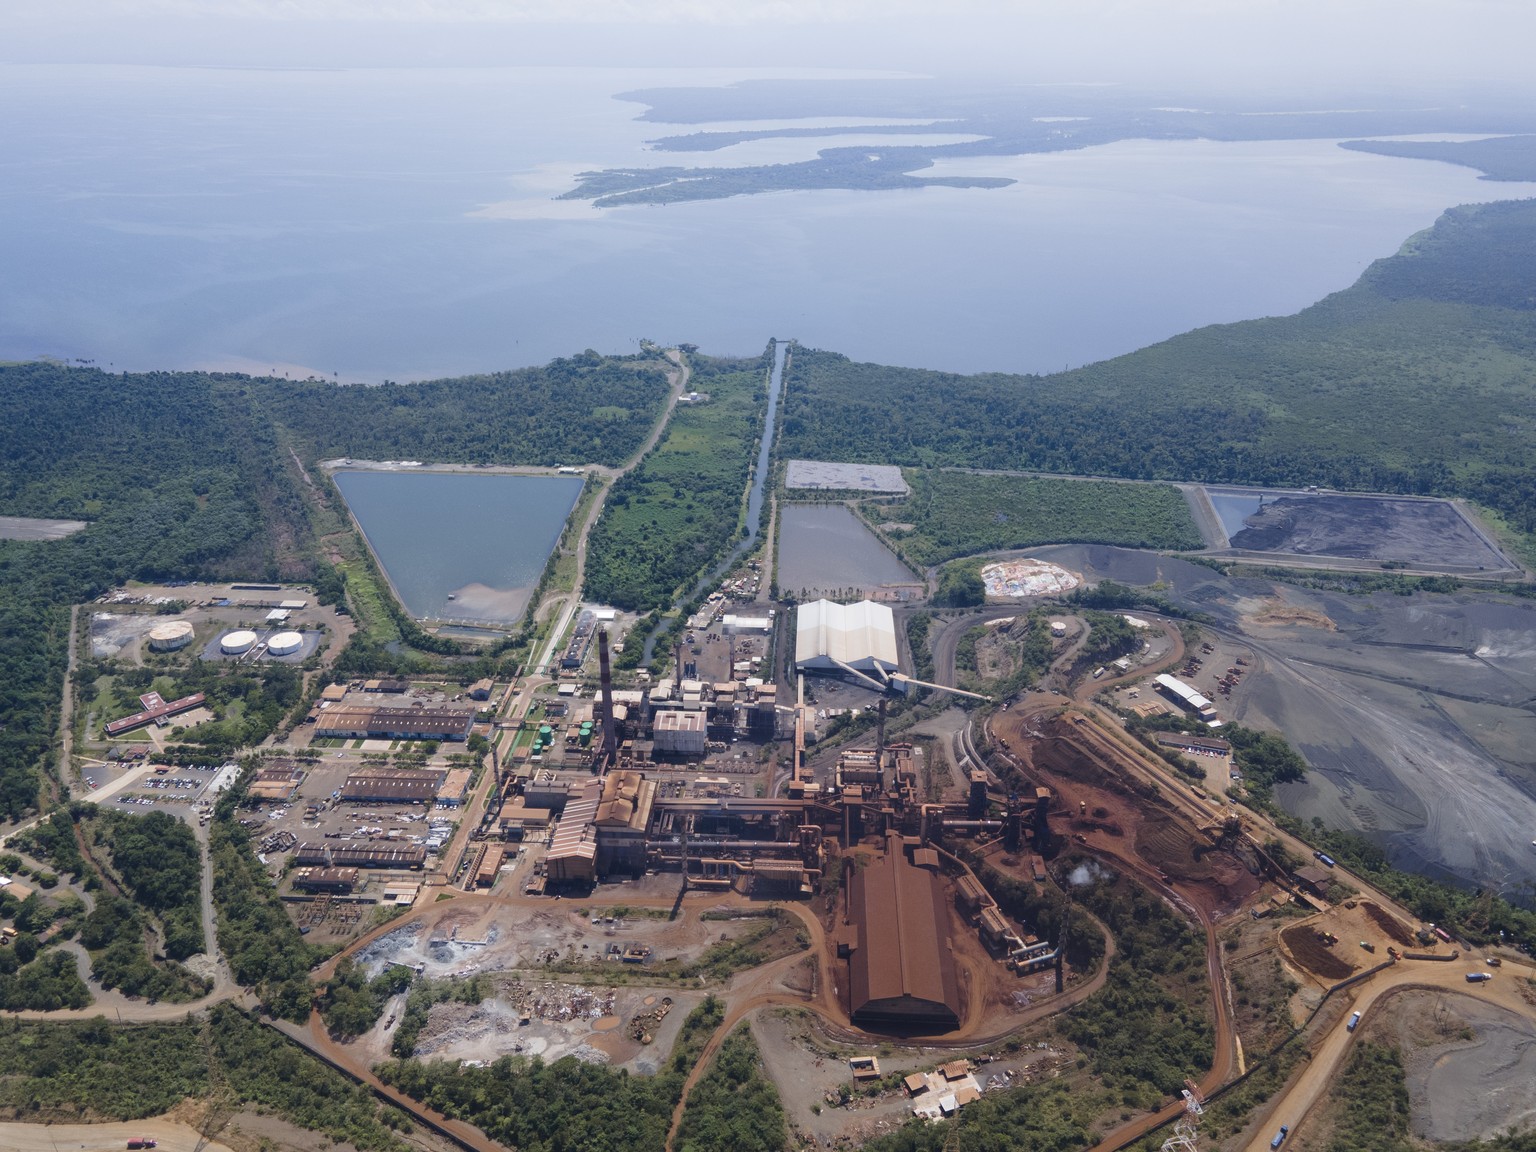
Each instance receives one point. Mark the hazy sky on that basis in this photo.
(1299, 44)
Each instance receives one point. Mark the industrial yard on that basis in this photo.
(877, 873)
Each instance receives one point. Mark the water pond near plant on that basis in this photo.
(825, 549)
(461, 546)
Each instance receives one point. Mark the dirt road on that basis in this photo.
(171, 1136)
(679, 386)
(1295, 1105)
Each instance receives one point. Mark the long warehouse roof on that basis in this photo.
(859, 635)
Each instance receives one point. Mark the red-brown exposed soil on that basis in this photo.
(1315, 956)
(1387, 922)
(1086, 772)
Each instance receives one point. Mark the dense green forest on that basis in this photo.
(681, 507)
(961, 513)
(734, 1107)
(93, 1070)
(566, 1106)
(190, 475)
(1441, 336)
(585, 409)
(263, 945)
(158, 858)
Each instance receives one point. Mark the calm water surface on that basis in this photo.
(824, 547)
(400, 223)
(482, 540)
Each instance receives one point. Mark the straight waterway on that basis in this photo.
(754, 494)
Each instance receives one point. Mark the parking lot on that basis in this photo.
(181, 791)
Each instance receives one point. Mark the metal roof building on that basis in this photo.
(902, 968)
(829, 637)
(392, 786)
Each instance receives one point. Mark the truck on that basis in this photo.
(141, 1142)
(1354, 1022)
(1326, 860)
(1097, 672)
(1478, 977)
(1280, 1136)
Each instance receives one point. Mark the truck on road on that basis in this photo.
(1280, 1136)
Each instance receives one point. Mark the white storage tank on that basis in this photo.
(285, 643)
(237, 643)
(170, 636)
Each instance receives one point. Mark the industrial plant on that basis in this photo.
(602, 790)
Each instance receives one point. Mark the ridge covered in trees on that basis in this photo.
(1440, 336)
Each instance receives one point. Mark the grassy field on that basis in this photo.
(682, 507)
(960, 513)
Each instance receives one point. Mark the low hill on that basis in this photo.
(1418, 379)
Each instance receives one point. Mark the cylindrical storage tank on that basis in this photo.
(170, 636)
(235, 643)
(285, 643)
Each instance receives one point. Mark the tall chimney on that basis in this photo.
(610, 729)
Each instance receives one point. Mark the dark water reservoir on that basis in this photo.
(461, 546)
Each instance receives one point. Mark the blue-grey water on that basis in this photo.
(1234, 505)
(400, 223)
(823, 548)
(481, 539)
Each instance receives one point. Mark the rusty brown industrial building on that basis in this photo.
(901, 970)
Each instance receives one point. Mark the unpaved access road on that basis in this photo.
(1293, 1107)
(170, 1135)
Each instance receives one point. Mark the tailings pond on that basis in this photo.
(1404, 530)
(825, 547)
(461, 546)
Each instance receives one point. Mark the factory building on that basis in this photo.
(901, 969)
(623, 815)
(337, 881)
(376, 854)
(156, 711)
(679, 734)
(1188, 699)
(455, 786)
(853, 637)
(277, 782)
(395, 723)
(392, 786)
(572, 855)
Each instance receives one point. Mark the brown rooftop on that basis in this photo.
(902, 972)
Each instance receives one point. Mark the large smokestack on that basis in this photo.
(605, 674)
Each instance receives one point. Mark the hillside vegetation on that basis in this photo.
(1417, 379)
(681, 508)
(960, 513)
(194, 475)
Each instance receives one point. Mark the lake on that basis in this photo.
(824, 547)
(373, 223)
(461, 546)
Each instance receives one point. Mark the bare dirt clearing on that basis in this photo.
(172, 1136)
(1411, 709)
(1470, 1065)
